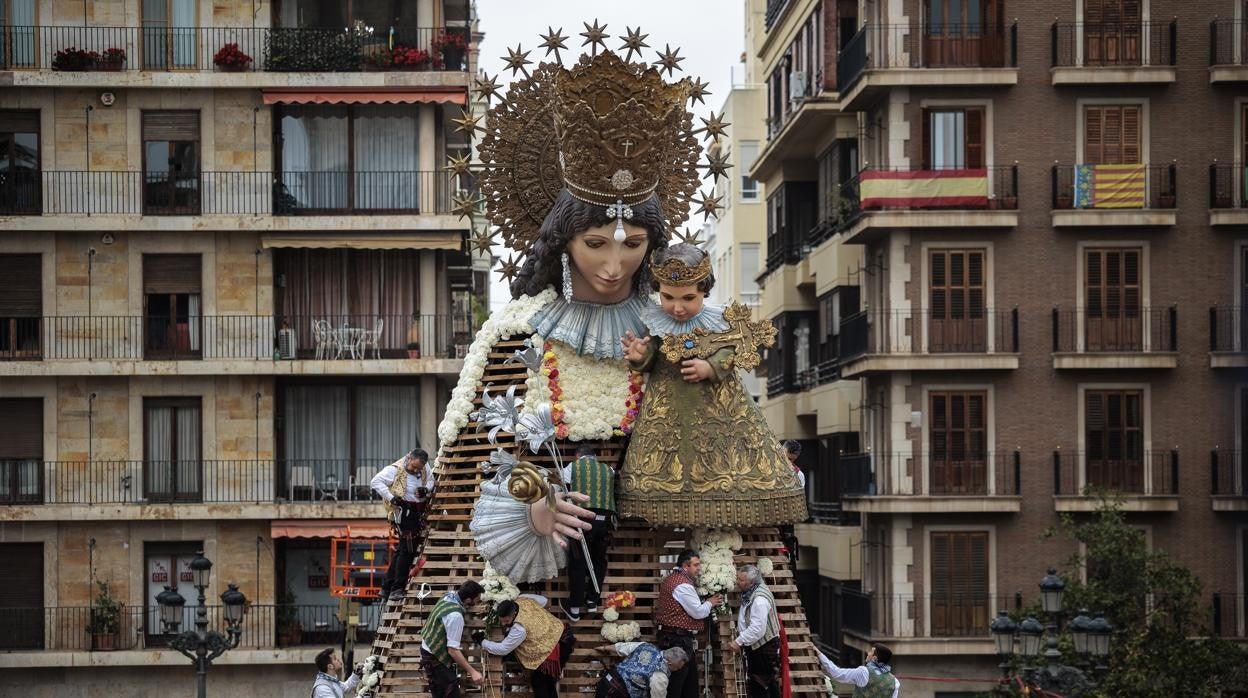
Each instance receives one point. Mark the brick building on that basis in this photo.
(1006, 252)
(233, 285)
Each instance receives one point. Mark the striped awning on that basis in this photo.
(407, 240)
(407, 96)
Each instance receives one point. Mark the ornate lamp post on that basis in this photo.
(201, 645)
(1003, 629)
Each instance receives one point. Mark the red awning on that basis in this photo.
(412, 96)
(320, 528)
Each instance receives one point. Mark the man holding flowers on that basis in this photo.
(681, 617)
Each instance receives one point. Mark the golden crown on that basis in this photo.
(677, 273)
(612, 131)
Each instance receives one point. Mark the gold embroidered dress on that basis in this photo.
(701, 454)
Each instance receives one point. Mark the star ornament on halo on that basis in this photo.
(516, 60)
(635, 42)
(594, 37)
(507, 270)
(709, 205)
(689, 237)
(458, 165)
(669, 59)
(553, 40)
(717, 165)
(483, 242)
(465, 206)
(698, 90)
(486, 87)
(467, 123)
(714, 126)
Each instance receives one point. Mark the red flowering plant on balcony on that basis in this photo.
(231, 57)
(451, 39)
(113, 57)
(74, 58)
(410, 58)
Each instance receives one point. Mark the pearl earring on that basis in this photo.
(567, 277)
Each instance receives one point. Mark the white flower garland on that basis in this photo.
(595, 392)
(716, 548)
(621, 632)
(511, 319)
(497, 586)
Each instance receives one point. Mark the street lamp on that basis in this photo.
(1029, 633)
(1099, 631)
(201, 645)
(1052, 588)
(1003, 629)
(1079, 632)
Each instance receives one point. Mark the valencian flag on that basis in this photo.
(963, 188)
(1110, 186)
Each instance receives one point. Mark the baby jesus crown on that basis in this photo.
(677, 273)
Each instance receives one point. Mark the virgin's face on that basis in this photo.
(603, 269)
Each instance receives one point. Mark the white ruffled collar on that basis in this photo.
(711, 319)
(592, 329)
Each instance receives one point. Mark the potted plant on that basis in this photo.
(452, 45)
(74, 58)
(231, 59)
(408, 58)
(289, 630)
(1166, 200)
(112, 59)
(413, 338)
(105, 622)
(378, 59)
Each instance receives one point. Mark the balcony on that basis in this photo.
(1228, 337)
(931, 483)
(880, 200)
(1114, 336)
(875, 341)
(884, 56)
(1228, 51)
(1228, 475)
(1087, 195)
(63, 628)
(1147, 481)
(1113, 53)
(1228, 198)
(922, 624)
(146, 56)
(257, 344)
(131, 200)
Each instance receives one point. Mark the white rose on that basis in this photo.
(610, 615)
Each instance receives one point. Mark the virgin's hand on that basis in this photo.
(566, 521)
(694, 370)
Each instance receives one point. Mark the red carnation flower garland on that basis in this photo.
(550, 369)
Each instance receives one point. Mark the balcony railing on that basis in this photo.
(1228, 42)
(1228, 329)
(190, 481)
(949, 473)
(272, 49)
(1228, 617)
(1149, 186)
(1228, 472)
(64, 628)
(915, 45)
(1121, 470)
(1227, 186)
(1115, 328)
(984, 188)
(225, 193)
(1113, 44)
(960, 615)
(903, 332)
(251, 337)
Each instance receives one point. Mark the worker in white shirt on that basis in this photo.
(327, 685)
(405, 487)
(644, 673)
(874, 679)
(681, 616)
(758, 634)
(540, 642)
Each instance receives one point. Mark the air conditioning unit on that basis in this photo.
(287, 345)
(797, 86)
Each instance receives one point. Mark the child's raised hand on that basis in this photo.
(634, 347)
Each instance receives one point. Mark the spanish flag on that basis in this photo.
(1110, 186)
(910, 189)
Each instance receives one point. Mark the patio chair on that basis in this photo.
(372, 338)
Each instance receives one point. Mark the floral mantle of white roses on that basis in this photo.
(719, 571)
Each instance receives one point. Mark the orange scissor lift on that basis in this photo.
(356, 568)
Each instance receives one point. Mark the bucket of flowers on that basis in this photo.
(452, 44)
(231, 59)
(408, 58)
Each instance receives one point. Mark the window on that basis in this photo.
(1114, 438)
(168, 565)
(21, 304)
(956, 295)
(964, 33)
(18, 19)
(169, 34)
(1111, 135)
(21, 451)
(1112, 290)
(171, 306)
(171, 163)
(1111, 32)
(352, 157)
(21, 596)
(748, 155)
(953, 139)
(958, 443)
(751, 265)
(335, 435)
(959, 579)
(19, 162)
(172, 463)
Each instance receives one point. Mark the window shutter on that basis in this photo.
(1093, 271)
(1111, 135)
(939, 283)
(171, 273)
(170, 126)
(942, 582)
(975, 283)
(1093, 141)
(21, 285)
(1092, 12)
(19, 121)
(1131, 136)
(975, 137)
(1131, 282)
(21, 428)
(21, 579)
(927, 139)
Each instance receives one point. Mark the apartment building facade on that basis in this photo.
(1033, 216)
(233, 286)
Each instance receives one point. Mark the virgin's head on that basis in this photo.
(604, 270)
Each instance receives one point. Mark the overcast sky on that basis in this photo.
(710, 34)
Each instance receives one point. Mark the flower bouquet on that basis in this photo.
(408, 58)
(371, 677)
(498, 588)
(719, 572)
(231, 59)
(612, 630)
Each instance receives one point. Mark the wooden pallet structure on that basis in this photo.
(639, 558)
